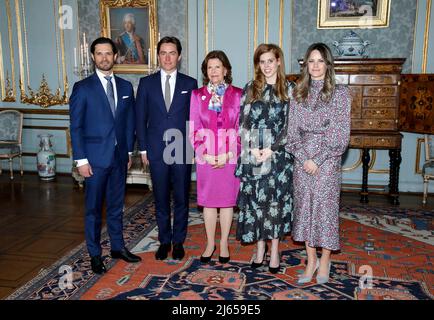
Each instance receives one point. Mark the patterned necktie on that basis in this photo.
(167, 95)
(111, 94)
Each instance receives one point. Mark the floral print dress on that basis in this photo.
(265, 197)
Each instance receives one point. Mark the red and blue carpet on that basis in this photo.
(386, 254)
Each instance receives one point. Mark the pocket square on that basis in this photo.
(184, 92)
(125, 97)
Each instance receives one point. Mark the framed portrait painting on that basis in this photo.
(345, 14)
(132, 25)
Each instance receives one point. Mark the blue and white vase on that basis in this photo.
(46, 158)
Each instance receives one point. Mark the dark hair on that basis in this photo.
(301, 91)
(103, 40)
(173, 40)
(217, 54)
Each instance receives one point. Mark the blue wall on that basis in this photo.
(228, 25)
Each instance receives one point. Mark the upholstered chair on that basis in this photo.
(428, 166)
(11, 131)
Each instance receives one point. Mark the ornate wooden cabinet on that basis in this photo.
(375, 86)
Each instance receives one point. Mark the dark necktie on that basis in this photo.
(167, 95)
(111, 94)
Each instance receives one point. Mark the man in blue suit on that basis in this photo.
(162, 111)
(102, 136)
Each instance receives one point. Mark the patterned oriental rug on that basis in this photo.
(386, 254)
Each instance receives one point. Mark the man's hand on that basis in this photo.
(130, 161)
(145, 160)
(310, 167)
(85, 170)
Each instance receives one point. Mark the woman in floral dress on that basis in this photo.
(318, 135)
(265, 167)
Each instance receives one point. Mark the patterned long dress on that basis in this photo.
(265, 197)
(318, 131)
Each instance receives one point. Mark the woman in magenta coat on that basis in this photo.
(214, 113)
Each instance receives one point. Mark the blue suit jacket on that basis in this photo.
(152, 118)
(93, 128)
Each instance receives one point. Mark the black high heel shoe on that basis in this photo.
(274, 270)
(207, 259)
(224, 259)
(255, 265)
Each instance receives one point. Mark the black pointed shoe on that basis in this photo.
(178, 251)
(125, 255)
(97, 265)
(274, 270)
(207, 259)
(256, 265)
(162, 251)
(224, 259)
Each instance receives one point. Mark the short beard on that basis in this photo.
(100, 67)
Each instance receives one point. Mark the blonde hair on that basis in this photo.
(301, 91)
(281, 87)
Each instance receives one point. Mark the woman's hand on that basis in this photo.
(310, 167)
(256, 153)
(265, 154)
(211, 160)
(222, 159)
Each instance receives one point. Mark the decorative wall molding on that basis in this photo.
(420, 142)
(358, 163)
(10, 94)
(38, 111)
(43, 97)
(426, 36)
(66, 155)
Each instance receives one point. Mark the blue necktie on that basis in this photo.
(111, 94)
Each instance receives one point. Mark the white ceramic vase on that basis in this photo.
(46, 158)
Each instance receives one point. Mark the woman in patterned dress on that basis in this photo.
(265, 167)
(214, 116)
(318, 135)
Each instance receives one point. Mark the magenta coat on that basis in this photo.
(215, 134)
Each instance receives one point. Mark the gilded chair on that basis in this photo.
(11, 132)
(428, 166)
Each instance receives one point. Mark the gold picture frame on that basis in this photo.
(347, 14)
(132, 25)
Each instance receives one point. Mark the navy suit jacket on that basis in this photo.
(152, 118)
(93, 128)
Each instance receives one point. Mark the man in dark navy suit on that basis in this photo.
(102, 136)
(162, 111)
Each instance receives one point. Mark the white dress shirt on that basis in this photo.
(104, 82)
(172, 82)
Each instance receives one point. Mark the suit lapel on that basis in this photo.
(205, 97)
(176, 92)
(120, 94)
(101, 92)
(159, 89)
(227, 106)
